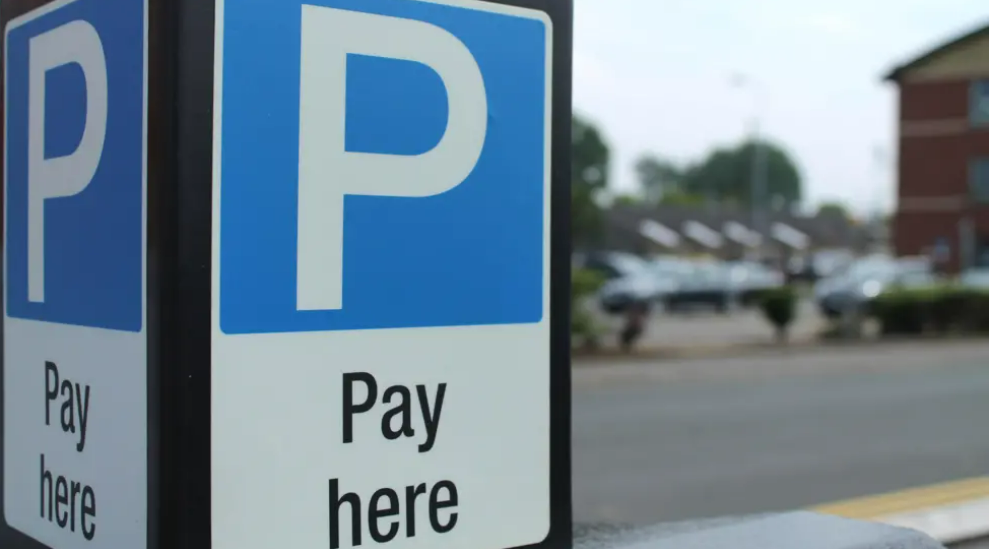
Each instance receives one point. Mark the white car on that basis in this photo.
(868, 278)
(630, 280)
(975, 278)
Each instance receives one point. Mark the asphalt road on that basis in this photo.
(691, 439)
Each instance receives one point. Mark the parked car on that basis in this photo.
(975, 278)
(818, 265)
(723, 284)
(672, 272)
(704, 286)
(855, 288)
(672, 267)
(610, 264)
(748, 279)
(857, 270)
(628, 280)
(617, 294)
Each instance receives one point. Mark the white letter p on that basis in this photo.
(75, 42)
(327, 172)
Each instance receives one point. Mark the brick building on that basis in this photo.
(943, 140)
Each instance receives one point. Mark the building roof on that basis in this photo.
(958, 41)
(659, 233)
(640, 228)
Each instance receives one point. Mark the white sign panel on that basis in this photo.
(74, 343)
(381, 347)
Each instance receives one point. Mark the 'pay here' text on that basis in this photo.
(390, 511)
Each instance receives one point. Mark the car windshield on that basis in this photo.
(870, 267)
(672, 267)
(709, 272)
(829, 260)
(627, 264)
(750, 266)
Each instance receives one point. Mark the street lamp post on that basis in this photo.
(758, 178)
(758, 175)
(879, 184)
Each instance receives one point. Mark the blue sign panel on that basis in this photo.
(74, 181)
(383, 164)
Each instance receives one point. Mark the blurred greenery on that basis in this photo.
(941, 309)
(589, 178)
(680, 198)
(658, 178)
(834, 209)
(584, 283)
(724, 176)
(779, 306)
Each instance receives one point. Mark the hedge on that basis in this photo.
(938, 309)
(779, 306)
(583, 283)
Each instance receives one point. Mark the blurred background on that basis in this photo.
(781, 259)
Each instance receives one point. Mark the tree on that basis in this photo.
(628, 200)
(833, 209)
(680, 198)
(589, 176)
(657, 178)
(726, 175)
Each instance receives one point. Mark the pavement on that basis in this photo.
(684, 439)
(706, 328)
(949, 511)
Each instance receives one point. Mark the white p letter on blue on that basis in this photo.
(75, 42)
(327, 172)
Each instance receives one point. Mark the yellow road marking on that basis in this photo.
(906, 501)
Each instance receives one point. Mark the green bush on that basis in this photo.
(583, 283)
(903, 311)
(980, 319)
(975, 316)
(941, 310)
(948, 309)
(779, 306)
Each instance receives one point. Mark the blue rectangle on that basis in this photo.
(93, 239)
(473, 255)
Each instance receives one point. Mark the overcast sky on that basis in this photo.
(656, 76)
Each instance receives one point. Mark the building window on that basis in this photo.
(982, 253)
(979, 179)
(979, 103)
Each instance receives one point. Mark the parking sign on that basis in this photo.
(74, 353)
(381, 251)
(386, 175)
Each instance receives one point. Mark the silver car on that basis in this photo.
(865, 279)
